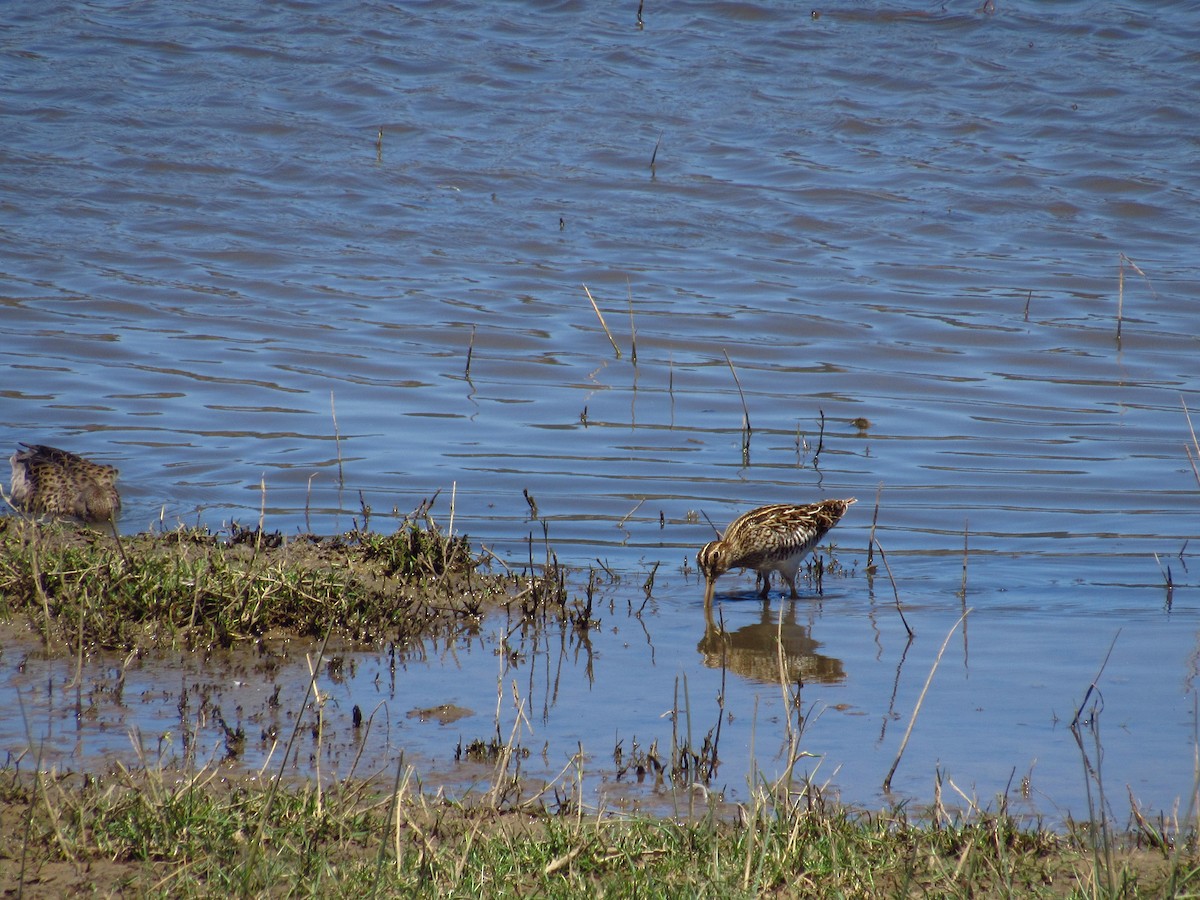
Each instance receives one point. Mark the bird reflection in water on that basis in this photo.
(751, 651)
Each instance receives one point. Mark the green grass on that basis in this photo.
(148, 834)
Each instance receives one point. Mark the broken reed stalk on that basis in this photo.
(1092, 686)
(470, 353)
(1028, 298)
(308, 503)
(883, 556)
(648, 584)
(874, 523)
(1120, 293)
(1125, 260)
(262, 511)
(654, 155)
(1168, 581)
(671, 385)
(640, 24)
(1193, 452)
(632, 327)
(745, 411)
(627, 515)
(337, 438)
(112, 524)
(603, 324)
(887, 782)
(966, 532)
(820, 437)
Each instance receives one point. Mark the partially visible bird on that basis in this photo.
(769, 539)
(49, 481)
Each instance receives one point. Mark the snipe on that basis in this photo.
(49, 481)
(769, 539)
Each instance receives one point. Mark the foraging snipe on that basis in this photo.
(769, 539)
(46, 480)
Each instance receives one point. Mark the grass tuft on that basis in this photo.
(189, 587)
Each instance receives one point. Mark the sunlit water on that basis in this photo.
(309, 257)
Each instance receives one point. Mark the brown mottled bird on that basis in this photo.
(769, 539)
(46, 480)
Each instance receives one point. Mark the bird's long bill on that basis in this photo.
(709, 588)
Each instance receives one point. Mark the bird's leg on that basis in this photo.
(766, 584)
(792, 584)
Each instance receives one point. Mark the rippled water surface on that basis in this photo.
(298, 258)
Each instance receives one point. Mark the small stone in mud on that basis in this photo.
(444, 714)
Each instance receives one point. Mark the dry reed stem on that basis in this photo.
(966, 533)
(1120, 293)
(737, 381)
(874, 523)
(895, 590)
(470, 353)
(632, 326)
(887, 782)
(1193, 452)
(1092, 686)
(337, 438)
(627, 515)
(1123, 261)
(603, 324)
(262, 511)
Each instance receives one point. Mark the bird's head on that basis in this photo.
(713, 561)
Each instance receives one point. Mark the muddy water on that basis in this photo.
(288, 263)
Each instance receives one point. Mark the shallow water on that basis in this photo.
(217, 276)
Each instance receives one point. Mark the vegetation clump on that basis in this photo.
(190, 587)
